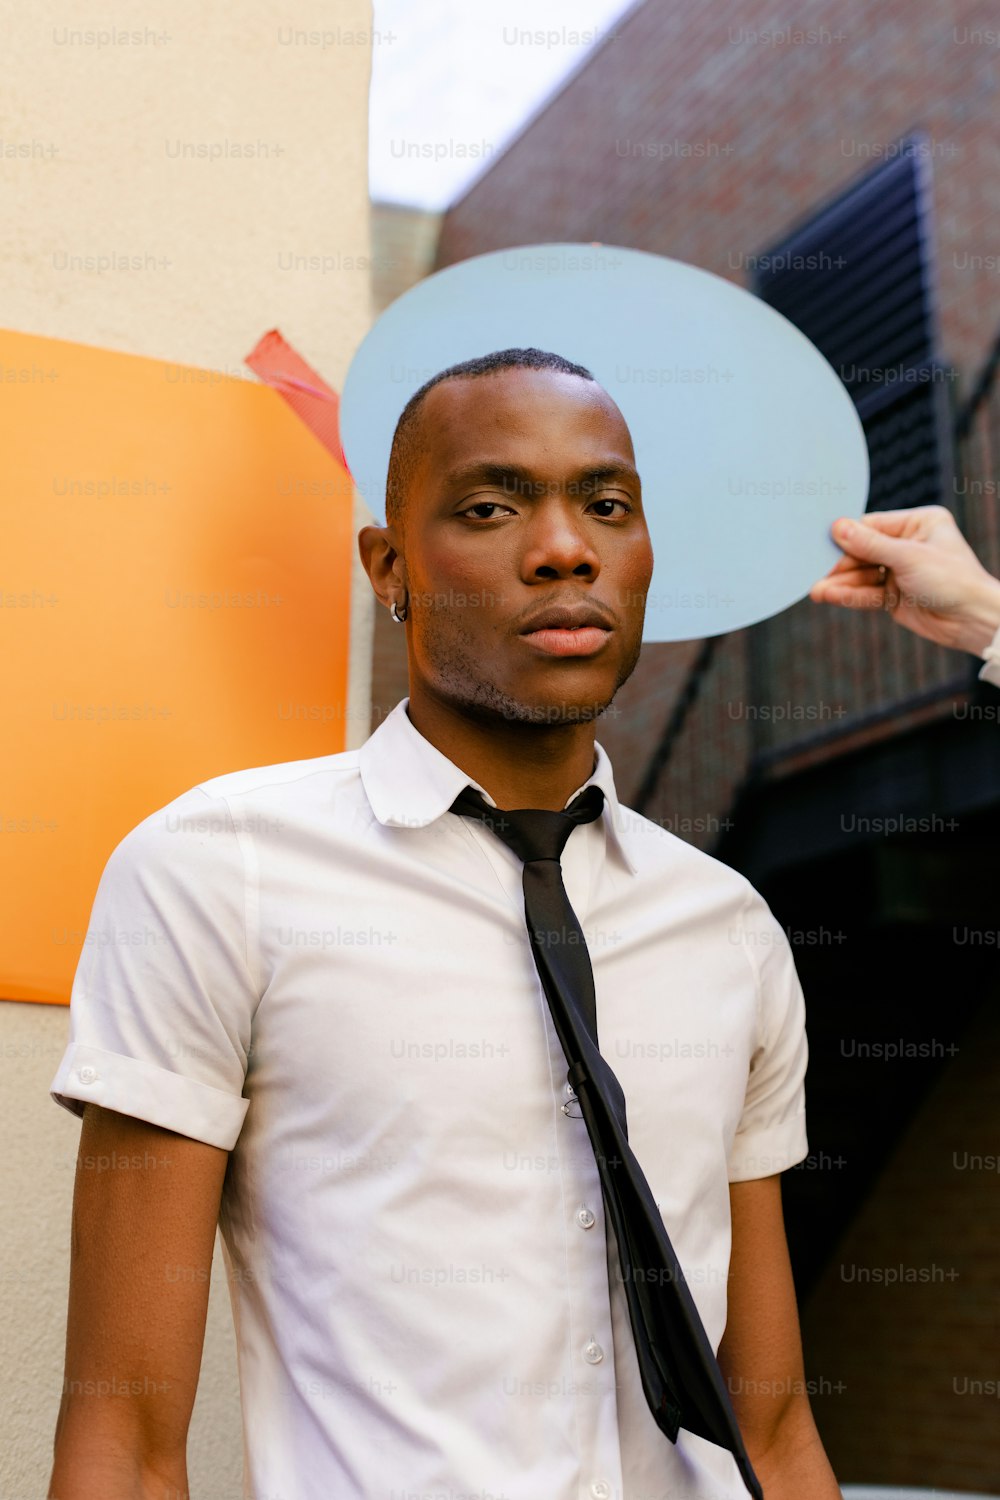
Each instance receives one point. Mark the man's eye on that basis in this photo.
(481, 505)
(476, 510)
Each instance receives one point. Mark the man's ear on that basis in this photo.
(381, 561)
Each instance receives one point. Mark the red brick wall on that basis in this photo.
(776, 128)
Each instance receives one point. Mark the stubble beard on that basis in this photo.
(458, 679)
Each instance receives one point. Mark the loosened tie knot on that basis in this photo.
(532, 832)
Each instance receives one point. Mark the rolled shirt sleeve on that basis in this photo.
(771, 1135)
(166, 987)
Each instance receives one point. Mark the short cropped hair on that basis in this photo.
(406, 439)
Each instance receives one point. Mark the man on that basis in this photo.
(339, 1045)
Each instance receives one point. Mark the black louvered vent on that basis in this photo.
(857, 278)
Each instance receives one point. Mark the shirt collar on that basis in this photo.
(409, 782)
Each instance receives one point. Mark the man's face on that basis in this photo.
(524, 499)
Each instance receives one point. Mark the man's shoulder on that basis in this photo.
(281, 778)
(702, 883)
(253, 797)
(664, 846)
(670, 838)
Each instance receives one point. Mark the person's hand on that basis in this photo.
(916, 565)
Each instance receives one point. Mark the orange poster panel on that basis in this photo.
(174, 604)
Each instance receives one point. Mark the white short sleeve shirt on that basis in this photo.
(318, 967)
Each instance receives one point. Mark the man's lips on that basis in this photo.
(584, 640)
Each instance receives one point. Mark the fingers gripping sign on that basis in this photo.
(915, 564)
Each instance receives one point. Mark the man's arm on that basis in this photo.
(145, 1208)
(761, 1352)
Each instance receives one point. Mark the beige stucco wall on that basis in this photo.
(107, 128)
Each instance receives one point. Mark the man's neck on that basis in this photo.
(520, 765)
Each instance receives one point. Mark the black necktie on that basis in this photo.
(681, 1378)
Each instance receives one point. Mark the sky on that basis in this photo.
(454, 80)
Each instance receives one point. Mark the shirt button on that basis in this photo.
(87, 1074)
(569, 1091)
(593, 1353)
(585, 1218)
(600, 1489)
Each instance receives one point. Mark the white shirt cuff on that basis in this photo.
(762, 1153)
(148, 1092)
(991, 671)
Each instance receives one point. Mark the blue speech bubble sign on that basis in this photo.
(746, 440)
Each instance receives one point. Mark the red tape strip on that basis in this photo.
(314, 402)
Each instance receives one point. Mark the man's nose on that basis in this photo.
(559, 542)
